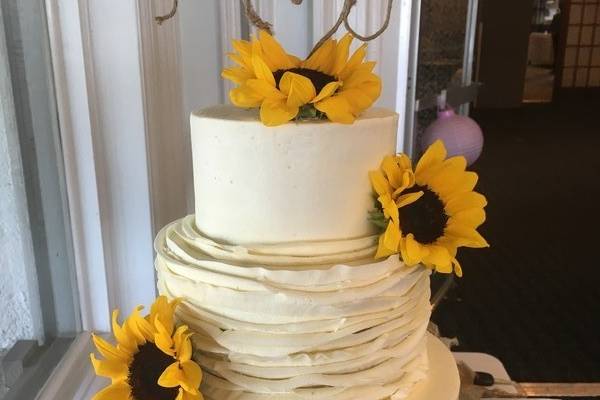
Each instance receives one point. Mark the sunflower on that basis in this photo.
(151, 360)
(329, 82)
(429, 213)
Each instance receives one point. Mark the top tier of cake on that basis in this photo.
(303, 181)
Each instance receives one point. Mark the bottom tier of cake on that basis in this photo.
(319, 320)
(442, 381)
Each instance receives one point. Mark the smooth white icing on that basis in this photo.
(295, 182)
(297, 320)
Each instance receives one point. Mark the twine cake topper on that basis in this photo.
(330, 83)
(261, 24)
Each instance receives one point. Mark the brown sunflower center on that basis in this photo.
(319, 79)
(425, 218)
(147, 366)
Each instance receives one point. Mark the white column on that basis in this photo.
(123, 128)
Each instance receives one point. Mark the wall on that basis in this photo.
(16, 319)
(20, 317)
(504, 43)
(581, 62)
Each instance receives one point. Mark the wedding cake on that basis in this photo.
(304, 272)
(276, 269)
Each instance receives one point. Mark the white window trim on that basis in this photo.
(72, 91)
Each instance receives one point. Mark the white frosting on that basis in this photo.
(303, 320)
(295, 182)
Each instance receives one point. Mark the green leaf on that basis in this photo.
(377, 218)
(309, 112)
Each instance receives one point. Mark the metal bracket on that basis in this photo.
(455, 96)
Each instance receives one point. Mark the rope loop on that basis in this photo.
(260, 23)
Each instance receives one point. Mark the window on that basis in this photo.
(38, 297)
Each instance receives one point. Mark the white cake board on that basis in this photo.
(442, 382)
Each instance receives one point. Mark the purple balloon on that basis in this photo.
(461, 135)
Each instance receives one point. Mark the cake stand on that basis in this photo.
(442, 382)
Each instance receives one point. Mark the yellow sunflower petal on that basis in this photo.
(187, 374)
(380, 183)
(243, 47)
(354, 61)
(164, 311)
(295, 60)
(109, 351)
(457, 268)
(276, 112)
(337, 109)
(425, 176)
(322, 59)
(163, 339)
(383, 251)
(358, 78)
(465, 236)
(327, 91)
(456, 163)
(262, 70)
(404, 161)
(408, 198)
(464, 201)
(116, 391)
(192, 376)
(243, 96)
(299, 89)
(172, 376)
(366, 66)
(403, 252)
(391, 237)
(183, 345)
(138, 327)
(392, 171)
(448, 183)
(413, 252)
(390, 210)
(448, 176)
(467, 182)
(472, 217)
(388, 241)
(242, 61)
(183, 395)
(264, 89)
(272, 50)
(448, 243)
(440, 258)
(141, 325)
(341, 54)
(362, 97)
(113, 369)
(408, 181)
(435, 154)
(124, 339)
(237, 74)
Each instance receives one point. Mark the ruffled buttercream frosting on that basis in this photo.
(303, 320)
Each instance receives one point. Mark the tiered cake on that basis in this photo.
(276, 270)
